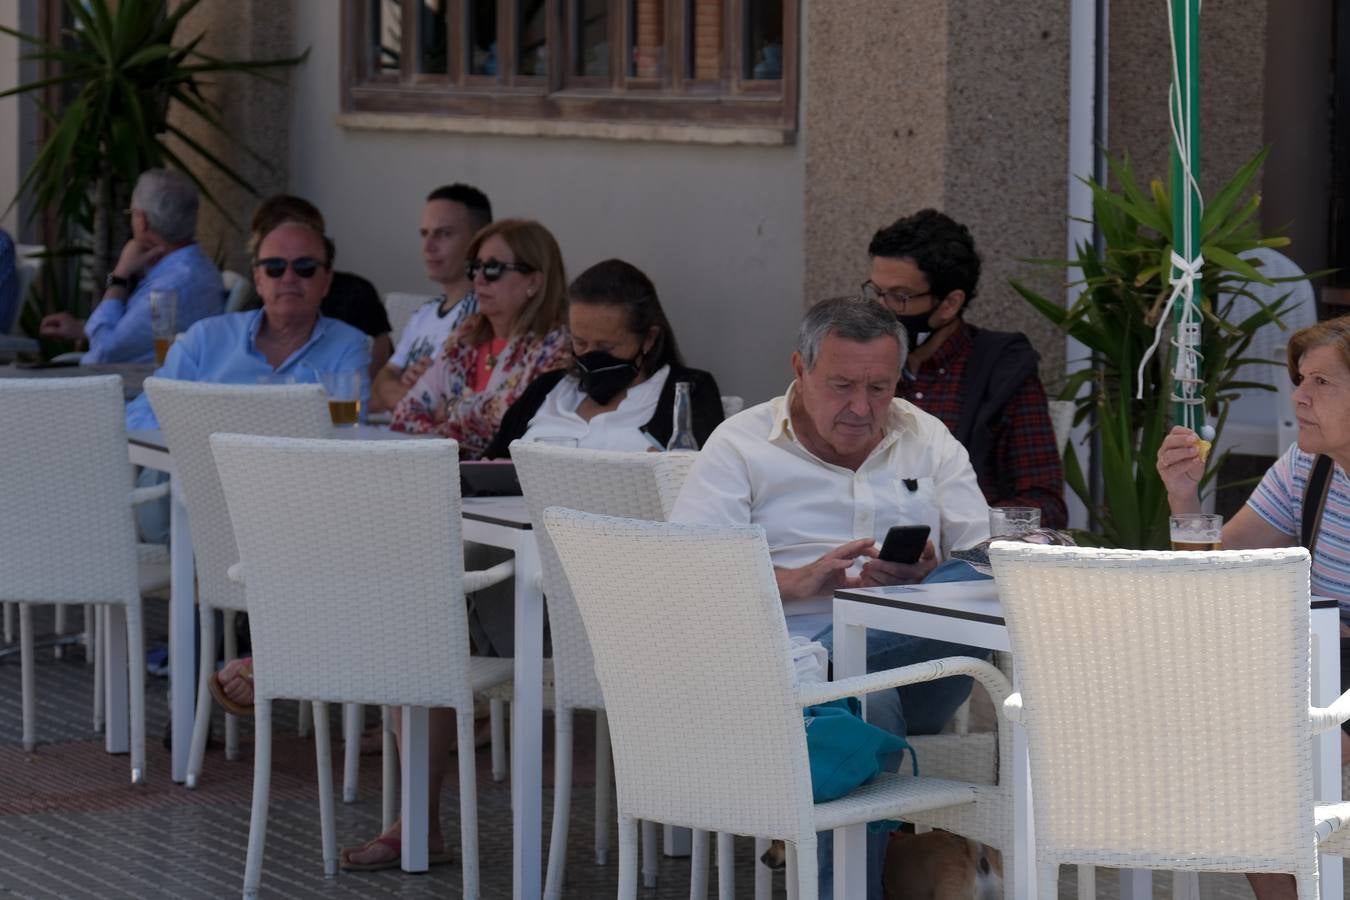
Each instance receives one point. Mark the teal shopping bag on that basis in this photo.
(844, 750)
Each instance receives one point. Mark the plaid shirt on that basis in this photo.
(1024, 468)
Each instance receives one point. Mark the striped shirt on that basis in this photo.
(1279, 500)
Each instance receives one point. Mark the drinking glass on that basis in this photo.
(344, 395)
(163, 316)
(1196, 531)
(1010, 521)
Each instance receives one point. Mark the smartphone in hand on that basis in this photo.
(904, 544)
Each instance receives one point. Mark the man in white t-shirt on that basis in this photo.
(452, 216)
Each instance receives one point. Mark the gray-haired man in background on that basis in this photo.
(162, 255)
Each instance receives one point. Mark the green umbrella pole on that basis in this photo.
(1184, 99)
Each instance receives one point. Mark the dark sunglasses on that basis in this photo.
(275, 266)
(493, 269)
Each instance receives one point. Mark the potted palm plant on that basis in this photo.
(1125, 288)
(119, 71)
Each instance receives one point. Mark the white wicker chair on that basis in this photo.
(189, 413)
(635, 485)
(331, 627)
(66, 489)
(692, 654)
(400, 307)
(237, 290)
(1186, 677)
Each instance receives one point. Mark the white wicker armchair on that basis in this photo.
(1186, 677)
(635, 485)
(189, 413)
(66, 490)
(692, 653)
(400, 307)
(331, 627)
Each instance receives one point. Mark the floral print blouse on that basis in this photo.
(443, 403)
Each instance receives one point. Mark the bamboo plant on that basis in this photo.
(1125, 289)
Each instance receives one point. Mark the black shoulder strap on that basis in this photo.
(1314, 498)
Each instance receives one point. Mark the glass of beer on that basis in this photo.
(344, 395)
(1196, 531)
(1011, 521)
(163, 321)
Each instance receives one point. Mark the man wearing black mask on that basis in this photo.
(982, 384)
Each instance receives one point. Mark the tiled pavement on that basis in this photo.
(72, 826)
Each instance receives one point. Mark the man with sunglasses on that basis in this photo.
(162, 255)
(453, 214)
(288, 340)
(982, 384)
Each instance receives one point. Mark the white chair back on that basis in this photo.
(1251, 412)
(65, 487)
(731, 404)
(351, 554)
(692, 653)
(236, 290)
(189, 413)
(400, 307)
(1061, 419)
(28, 270)
(1185, 678)
(633, 485)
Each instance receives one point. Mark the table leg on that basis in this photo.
(415, 790)
(527, 722)
(1326, 687)
(676, 841)
(1136, 884)
(182, 634)
(850, 844)
(116, 737)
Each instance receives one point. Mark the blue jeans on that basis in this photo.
(913, 709)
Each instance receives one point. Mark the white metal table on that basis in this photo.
(970, 613)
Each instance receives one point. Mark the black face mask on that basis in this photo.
(602, 375)
(915, 325)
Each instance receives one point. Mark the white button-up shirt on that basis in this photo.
(754, 471)
(618, 429)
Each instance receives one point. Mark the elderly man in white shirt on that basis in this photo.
(826, 469)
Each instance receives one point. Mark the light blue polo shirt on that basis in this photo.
(119, 330)
(223, 349)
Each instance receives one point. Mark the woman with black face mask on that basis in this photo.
(619, 393)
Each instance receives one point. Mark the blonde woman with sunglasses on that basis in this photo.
(517, 334)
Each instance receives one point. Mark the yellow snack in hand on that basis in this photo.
(1203, 446)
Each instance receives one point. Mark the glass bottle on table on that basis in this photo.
(682, 435)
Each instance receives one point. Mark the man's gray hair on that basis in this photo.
(168, 198)
(850, 318)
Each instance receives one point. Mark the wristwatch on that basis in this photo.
(116, 281)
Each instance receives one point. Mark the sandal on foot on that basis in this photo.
(218, 692)
(394, 843)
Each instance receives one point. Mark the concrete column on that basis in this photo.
(960, 105)
(255, 112)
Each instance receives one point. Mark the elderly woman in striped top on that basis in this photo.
(1312, 471)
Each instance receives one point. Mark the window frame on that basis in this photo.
(671, 98)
